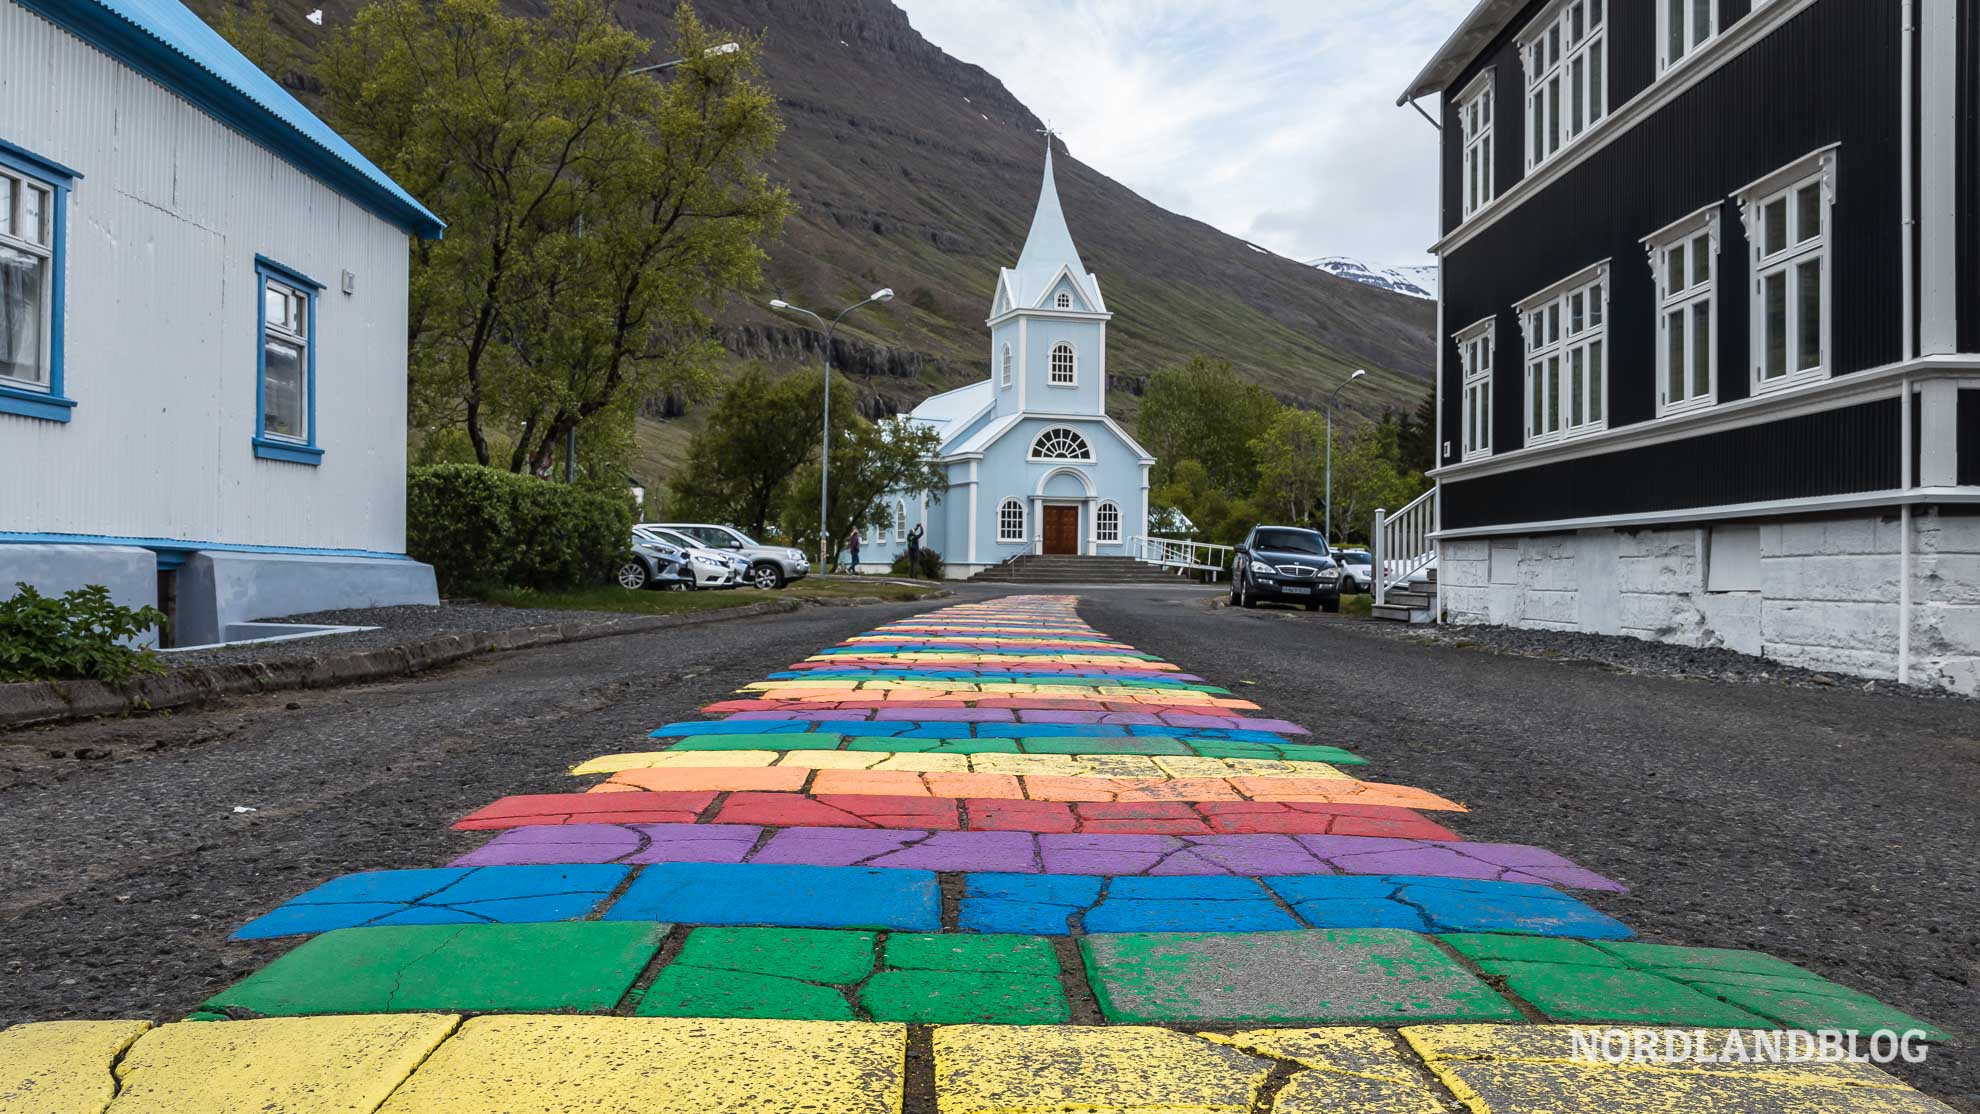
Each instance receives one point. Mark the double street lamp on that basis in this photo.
(1358, 373)
(725, 48)
(884, 294)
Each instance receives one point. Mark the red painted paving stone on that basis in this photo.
(841, 810)
(587, 808)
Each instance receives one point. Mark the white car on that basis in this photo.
(712, 569)
(770, 566)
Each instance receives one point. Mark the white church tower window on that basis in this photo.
(1010, 521)
(1065, 300)
(1006, 373)
(1065, 367)
(1060, 443)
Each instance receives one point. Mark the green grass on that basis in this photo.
(1359, 604)
(611, 597)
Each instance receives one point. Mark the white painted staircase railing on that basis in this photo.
(1184, 556)
(1403, 548)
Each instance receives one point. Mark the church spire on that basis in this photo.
(1050, 244)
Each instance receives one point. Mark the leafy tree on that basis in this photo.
(250, 28)
(871, 463)
(1201, 410)
(1217, 515)
(597, 215)
(740, 465)
(1368, 473)
(1417, 446)
(1292, 465)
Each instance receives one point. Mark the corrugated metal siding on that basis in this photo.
(1968, 441)
(1967, 159)
(1833, 452)
(163, 231)
(1840, 59)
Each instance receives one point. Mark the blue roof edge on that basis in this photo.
(120, 35)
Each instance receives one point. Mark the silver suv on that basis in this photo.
(770, 566)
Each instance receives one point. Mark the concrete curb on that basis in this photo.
(35, 702)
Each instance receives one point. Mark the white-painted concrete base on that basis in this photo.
(1817, 592)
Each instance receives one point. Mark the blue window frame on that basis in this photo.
(285, 364)
(34, 232)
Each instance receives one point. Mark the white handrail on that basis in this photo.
(1182, 554)
(1402, 543)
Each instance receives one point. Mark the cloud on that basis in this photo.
(1274, 120)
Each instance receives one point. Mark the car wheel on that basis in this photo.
(1349, 586)
(1249, 597)
(1235, 598)
(766, 576)
(632, 575)
(1333, 606)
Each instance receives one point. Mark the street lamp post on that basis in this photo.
(1358, 373)
(884, 294)
(725, 48)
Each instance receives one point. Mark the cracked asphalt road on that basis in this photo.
(1834, 828)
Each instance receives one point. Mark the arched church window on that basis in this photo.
(1010, 521)
(900, 521)
(1107, 523)
(1007, 365)
(1065, 300)
(1060, 443)
(1064, 369)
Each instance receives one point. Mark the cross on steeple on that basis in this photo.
(1048, 131)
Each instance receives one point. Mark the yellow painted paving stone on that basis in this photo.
(1534, 1070)
(1352, 1068)
(1191, 766)
(920, 762)
(561, 1064)
(675, 759)
(62, 1066)
(278, 1065)
(1062, 1069)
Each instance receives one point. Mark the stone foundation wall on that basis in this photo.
(1821, 593)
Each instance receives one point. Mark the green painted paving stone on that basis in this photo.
(1667, 957)
(1570, 992)
(1316, 977)
(758, 742)
(1529, 949)
(965, 997)
(934, 746)
(990, 952)
(1117, 744)
(683, 991)
(573, 965)
(809, 954)
(1767, 985)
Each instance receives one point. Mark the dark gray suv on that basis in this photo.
(1289, 564)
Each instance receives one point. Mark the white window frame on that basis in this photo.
(1565, 75)
(1474, 110)
(1101, 534)
(1556, 347)
(1063, 301)
(1685, 19)
(1052, 366)
(1005, 371)
(1070, 431)
(40, 244)
(1477, 345)
(1004, 534)
(1815, 171)
(1671, 249)
(303, 300)
(900, 521)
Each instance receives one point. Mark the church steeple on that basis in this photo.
(1049, 258)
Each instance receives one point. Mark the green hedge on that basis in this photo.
(82, 634)
(931, 565)
(486, 528)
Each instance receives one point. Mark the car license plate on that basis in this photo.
(1291, 591)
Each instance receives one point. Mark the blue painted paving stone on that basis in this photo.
(784, 741)
(582, 966)
(1512, 907)
(792, 896)
(1361, 912)
(732, 727)
(1316, 977)
(452, 895)
(1039, 904)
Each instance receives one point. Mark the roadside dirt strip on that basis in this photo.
(985, 860)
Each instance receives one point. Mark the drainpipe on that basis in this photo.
(1907, 232)
(1904, 534)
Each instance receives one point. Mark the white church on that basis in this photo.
(1034, 463)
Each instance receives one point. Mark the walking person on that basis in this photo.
(914, 552)
(852, 544)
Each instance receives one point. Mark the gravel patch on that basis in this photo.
(397, 626)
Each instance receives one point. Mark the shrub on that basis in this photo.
(81, 635)
(485, 528)
(931, 565)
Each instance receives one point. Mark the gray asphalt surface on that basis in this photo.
(1835, 828)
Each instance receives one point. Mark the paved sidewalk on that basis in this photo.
(983, 859)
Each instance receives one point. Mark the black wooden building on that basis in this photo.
(1711, 268)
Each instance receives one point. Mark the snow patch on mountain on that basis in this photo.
(1417, 282)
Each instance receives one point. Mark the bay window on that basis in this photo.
(1566, 77)
(1566, 347)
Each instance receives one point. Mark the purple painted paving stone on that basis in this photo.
(945, 715)
(1242, 854)
(555, 843)
(832, 846)
(696, 843)
(1441, 862)
(1005, 852)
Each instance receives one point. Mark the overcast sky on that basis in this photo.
(1273, 120)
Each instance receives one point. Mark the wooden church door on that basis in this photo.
(1062, 530)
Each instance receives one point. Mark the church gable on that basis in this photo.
(1066, 292)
